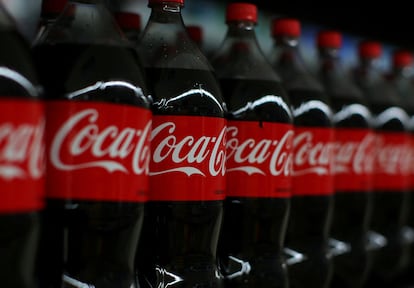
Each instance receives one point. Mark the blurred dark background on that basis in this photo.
(388, 21)
(391, 22)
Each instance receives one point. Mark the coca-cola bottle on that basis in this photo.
(21, 158)
(353, 166)
(259, 157)
(187, 168)
(400, 75)
(312, 193)
(97, 135)
(390, 198)
(130, 23)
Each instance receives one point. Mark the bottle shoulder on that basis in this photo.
(17, 70)
(243, 58)
(169, 46)
(180, 77)
(311, 108)
(181, 91)
(294, 72)
(379, 91)
(256, 100)
(95, 72)
(405, 89)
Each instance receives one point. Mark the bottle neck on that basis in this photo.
(286, 53)
(289, 43)
(242, 35)
(370, 66)
(165, 27)
(166, 13)
(329, 56)
(240, 54)
(240, 40)
(369, 62)
(165, 42)
(337, 78)
(403, 72)
(286, 59)
(330, 62)
(241, 30)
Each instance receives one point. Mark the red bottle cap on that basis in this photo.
(402, 58)
(286, 27)
(195, 32)
(181, 2)
(128, 20)
(369, 49)
(53, 6)
(241, 12)
(329, 39)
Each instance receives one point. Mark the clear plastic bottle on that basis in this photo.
(98, 134)
(354, 162)
(390, 200)
(259, 157)
(401, 76)
(22, 158)
(187, 169)
(312, 196)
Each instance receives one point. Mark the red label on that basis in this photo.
(22, 159)
(313, 161)
(259, 159)
(188, 158)
(354, 160)
(392, 161)
(98, 151)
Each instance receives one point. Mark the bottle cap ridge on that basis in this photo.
(286, 27)
(402, 58)
(329, 39)
(241, 12)
(370, 49)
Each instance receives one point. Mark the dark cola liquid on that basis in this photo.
(179, 238)
(254, 228)
(94, 240)
(389, 215)
(310, 216)
(407, 276)
(352, 209)
(20, 231)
